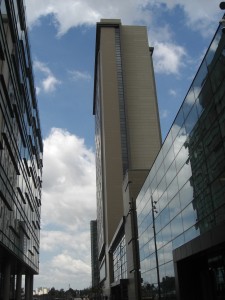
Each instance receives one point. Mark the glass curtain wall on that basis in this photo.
(183, 195)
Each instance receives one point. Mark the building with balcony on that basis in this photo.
(21, 151)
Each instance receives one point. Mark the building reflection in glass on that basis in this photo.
(187, 180)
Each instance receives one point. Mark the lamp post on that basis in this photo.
(156, 250)
(222, 5)
(222, 21)
(136, 258)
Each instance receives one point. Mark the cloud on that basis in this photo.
(172, 92)
(49, 82)
(199, 15)
(68, 205)
(69, 15)
(168, 58)
(38, 90)
(69, 180)
(70, 265)
(164, 114)
(52, 240)
(64, 270)
(78, 75)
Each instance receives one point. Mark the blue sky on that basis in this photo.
(62, 38)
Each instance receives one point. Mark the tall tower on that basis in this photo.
(21, 151)
(127, 131)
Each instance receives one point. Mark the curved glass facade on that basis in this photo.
(186, 186)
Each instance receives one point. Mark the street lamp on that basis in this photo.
(222, 5)
(222, 22)
(156, 250)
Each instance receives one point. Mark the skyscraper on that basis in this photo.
(127, 141)
(20, 157)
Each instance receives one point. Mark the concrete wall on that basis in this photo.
(143, 130)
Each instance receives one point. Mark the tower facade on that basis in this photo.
(127, 141)
(20, 157)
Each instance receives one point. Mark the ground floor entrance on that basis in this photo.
(202, 277)
(200, 267)
(119, 291)
(12, 272)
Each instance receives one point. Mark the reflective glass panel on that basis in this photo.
(168, 252)
(180, 140)
(166, 234)
(167, 144)
(176, 226)
(178, 241)
(182, 157)
(163, 200)
(191, 233)
(200, 79)
(188, 102)
(177, 125)
(205, 97)
(186, 194)
(184, 174)
(172, 189)
(165, 216)
(189, 216)
(212, 49)
(191, 120)
(174, 206)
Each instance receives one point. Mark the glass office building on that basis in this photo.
(20, 157)
(181, 206)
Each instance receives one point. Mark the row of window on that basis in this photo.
(20, 140)
(99, 183)
(123, 133)
(120, 261)
(186, 183)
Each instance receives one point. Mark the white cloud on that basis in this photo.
(52, 240)
(68, 205)
(68, 14)
(78, 75)
(168, 58)
(38, 90)
(66, 263)
(164, 114)
(160, 33)
(173, 92)
(199, 14)
(69, 180)
(49, 81)
(64, 270)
